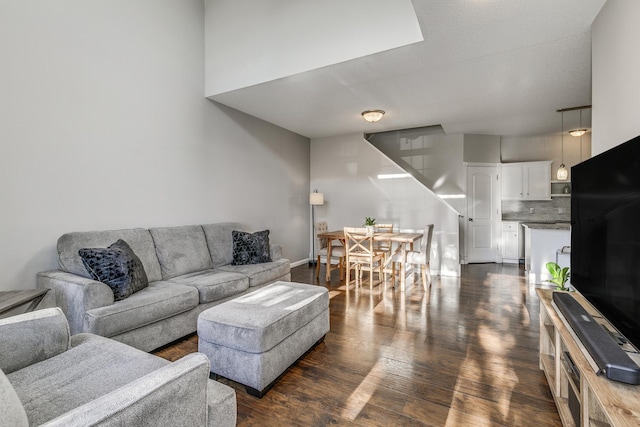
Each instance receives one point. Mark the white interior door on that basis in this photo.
(482, 214)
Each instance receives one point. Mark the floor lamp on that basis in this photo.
(315, 199)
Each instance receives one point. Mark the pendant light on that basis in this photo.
(577, 132)
(562, 173)
(580, 131)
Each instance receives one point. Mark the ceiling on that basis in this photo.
(494, 67)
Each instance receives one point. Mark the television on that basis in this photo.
(605, 235)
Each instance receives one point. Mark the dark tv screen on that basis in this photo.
(605, 235)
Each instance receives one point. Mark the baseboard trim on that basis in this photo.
(302, 261)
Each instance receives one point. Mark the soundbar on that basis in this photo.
(610, 358)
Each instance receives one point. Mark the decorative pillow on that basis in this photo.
(117, 266)
(250, 248)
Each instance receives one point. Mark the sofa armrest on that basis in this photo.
(75, 295)
(275, 251)
(32, 337)
(174, 395)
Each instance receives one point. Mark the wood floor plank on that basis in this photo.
(464, 353)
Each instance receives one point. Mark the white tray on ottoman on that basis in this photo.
(254, 338)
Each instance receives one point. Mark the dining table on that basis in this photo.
(403, 241)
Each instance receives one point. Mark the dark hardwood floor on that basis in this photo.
(463, 354)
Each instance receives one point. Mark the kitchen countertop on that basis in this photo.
(547, 226)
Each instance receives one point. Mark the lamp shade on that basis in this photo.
(563, 173)
(316, 198)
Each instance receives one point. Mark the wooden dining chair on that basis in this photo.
(361, 256)
(384, 247)
(337, 250)
(421, 257)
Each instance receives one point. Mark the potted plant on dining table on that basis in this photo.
(369, 224)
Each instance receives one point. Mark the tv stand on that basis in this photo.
(605, 351)
(582, 396)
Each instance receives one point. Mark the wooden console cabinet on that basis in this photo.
(582, 397)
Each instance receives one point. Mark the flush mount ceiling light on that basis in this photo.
(372, 116)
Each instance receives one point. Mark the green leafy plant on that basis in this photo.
(559, 276)
(369, 221)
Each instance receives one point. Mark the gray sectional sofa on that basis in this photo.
(50, 378)
(188, 268)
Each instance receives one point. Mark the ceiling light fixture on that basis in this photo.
(579, 131)
(563, 172)
(372, 116)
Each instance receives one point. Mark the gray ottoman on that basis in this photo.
(254, 338)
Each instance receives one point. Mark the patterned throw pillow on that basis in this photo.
(117, 266)
(250, 248)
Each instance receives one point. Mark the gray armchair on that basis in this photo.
(50, 378)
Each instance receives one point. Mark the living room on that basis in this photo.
(127, 109)
(106, 126)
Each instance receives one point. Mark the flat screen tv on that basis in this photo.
(605, 235)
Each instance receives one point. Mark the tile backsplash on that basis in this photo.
(558, 209)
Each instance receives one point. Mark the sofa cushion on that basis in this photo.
(117, 266)
(93, 367)
(181, 250)
(213, 285)
(138, 239)
(220, 241)
(11, 408)
(158, 301)
(261, 273)
(250, 248)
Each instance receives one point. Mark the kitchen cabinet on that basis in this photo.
(512, 242)
(526, 181)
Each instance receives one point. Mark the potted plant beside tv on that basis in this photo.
(559, 276)
(369, 224)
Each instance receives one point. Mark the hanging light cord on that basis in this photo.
(580, 136)
(562, 135)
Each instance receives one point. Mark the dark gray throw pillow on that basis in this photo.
(117, 266)
(250, 248)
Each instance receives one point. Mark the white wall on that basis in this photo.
(105, 125)
(274, 39)
(481, 148)
(616, 74)
(345, 169)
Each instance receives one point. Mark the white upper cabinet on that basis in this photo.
(512, 179)
(526, 181)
